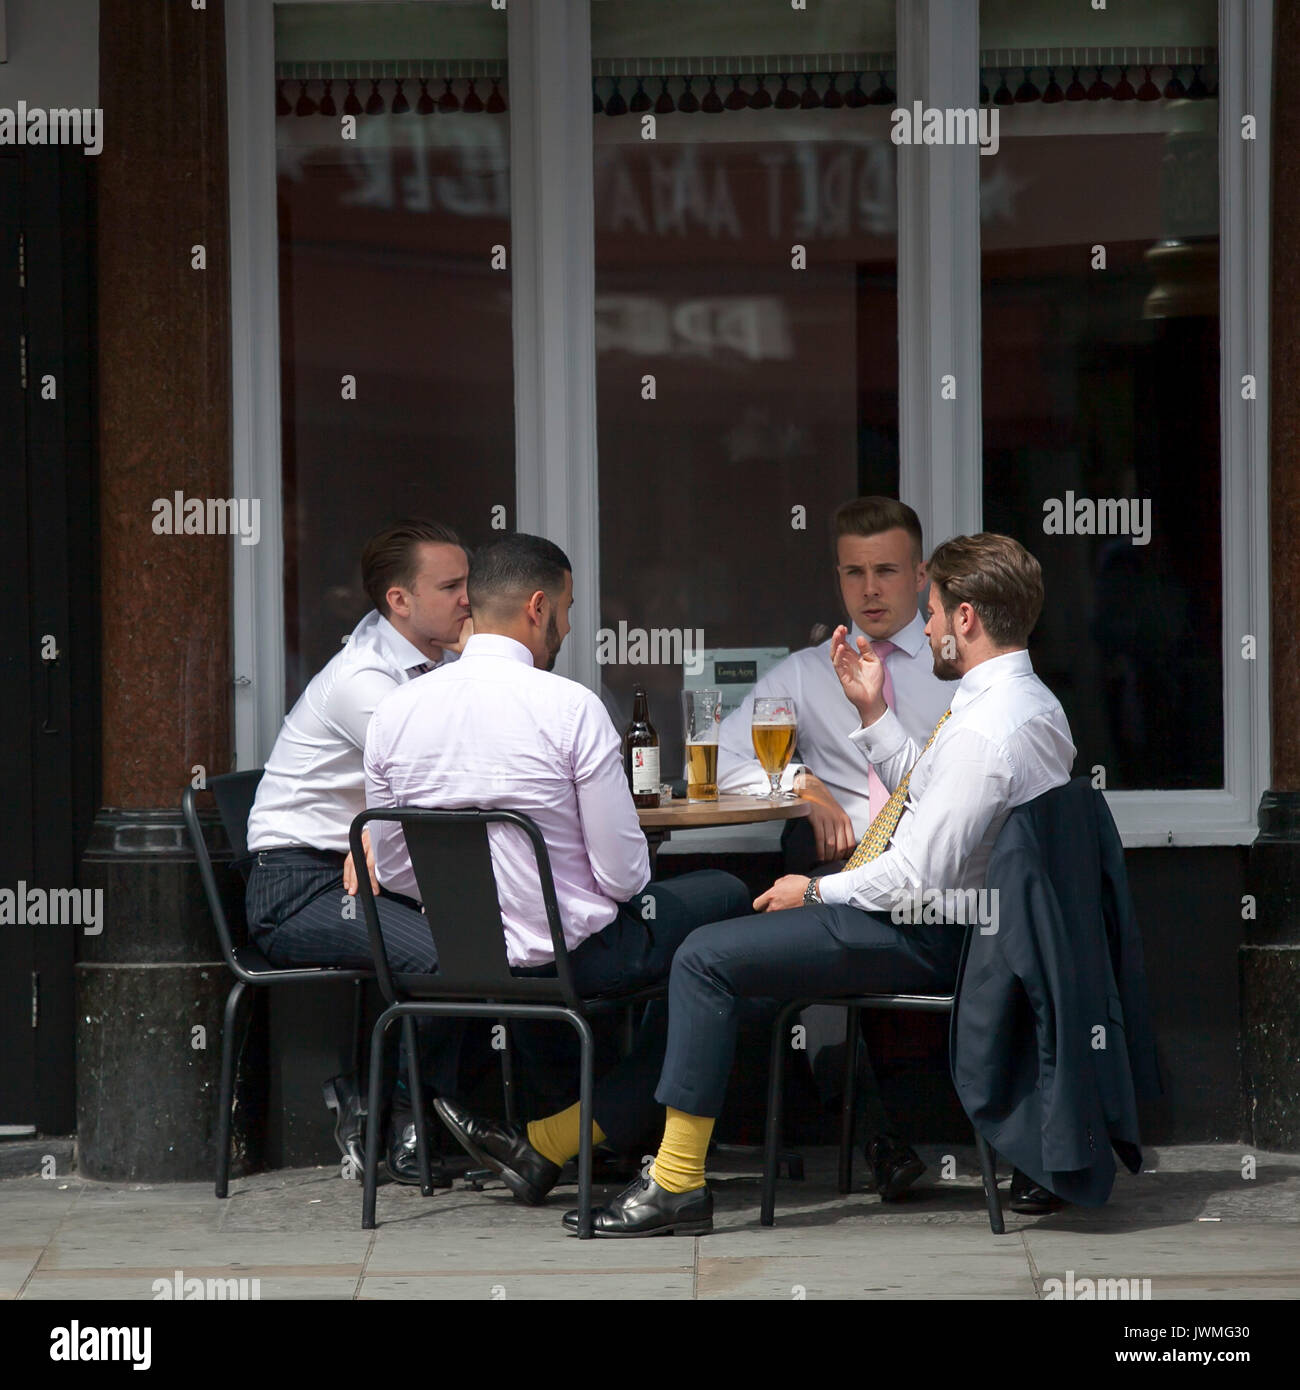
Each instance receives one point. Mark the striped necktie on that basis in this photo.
(881, 830)
(877, 792)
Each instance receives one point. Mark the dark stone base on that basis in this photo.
(1270, 1040)
(147, 1083)
(1269, 963)
(1274, 873)
(146, 1093)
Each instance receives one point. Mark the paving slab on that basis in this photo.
(16, 1264)
(587, 1286)
(1224, 1259)
(1205, 1222)
(870, 1276)
(156, 1248)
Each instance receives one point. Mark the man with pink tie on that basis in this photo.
(877, 547)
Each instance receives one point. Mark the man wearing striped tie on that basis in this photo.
(878, 552)
(1002, 741)
(414, 574)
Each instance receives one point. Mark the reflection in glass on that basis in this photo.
(1100, 290)
(395, 334)
(746, 317)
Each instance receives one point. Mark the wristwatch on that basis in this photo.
(811, 897)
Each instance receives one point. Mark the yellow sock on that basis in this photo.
(558, 1137)
(679, 1164)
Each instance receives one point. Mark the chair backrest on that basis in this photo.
(234, 793)
(452, 861)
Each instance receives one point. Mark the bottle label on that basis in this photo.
(645, 771)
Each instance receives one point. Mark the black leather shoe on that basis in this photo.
(403, 1160)
(1031, 1198)
(895, 1166)
(344, 1099)
(502, 1148)
(643, 1208)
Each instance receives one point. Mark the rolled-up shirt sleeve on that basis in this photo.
(392, 861)
(970, 786)
(616, 844)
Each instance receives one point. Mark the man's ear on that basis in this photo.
(922, 576)
(396, 600)
(536, 607)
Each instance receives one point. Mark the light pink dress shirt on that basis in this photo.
(492, 731)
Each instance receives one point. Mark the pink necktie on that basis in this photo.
(878, 793)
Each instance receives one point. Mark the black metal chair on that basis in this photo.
(234, 793)
(453, 867)
(917, 1003)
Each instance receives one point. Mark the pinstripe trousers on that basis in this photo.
(299, 914)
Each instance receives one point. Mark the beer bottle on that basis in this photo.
(641, 752)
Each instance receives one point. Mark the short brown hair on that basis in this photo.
(508, 571)
(998, 577)
(869, 516)
(392, 556)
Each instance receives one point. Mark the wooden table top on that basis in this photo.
(731, 808)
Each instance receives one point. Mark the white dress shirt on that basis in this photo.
(1006, 742)
(314, 782)
(494, 732)
(827, 719)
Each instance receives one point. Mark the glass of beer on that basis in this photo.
(773, 730)
(701, 719)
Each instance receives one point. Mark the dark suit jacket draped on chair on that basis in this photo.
(1051, 1042)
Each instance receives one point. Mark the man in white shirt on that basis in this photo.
(878, 551)
(1003, 741)
(879, 566)
(500, 730)
(314, 785)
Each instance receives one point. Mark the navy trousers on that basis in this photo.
(804, 951)
(635, 950)
(299, 914)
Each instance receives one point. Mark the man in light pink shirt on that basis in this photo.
(498, 729)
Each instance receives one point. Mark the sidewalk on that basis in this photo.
(1194, 1226)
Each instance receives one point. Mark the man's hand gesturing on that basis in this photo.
(861, 673)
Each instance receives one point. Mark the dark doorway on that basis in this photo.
(49, 622)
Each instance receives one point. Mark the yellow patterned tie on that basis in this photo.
(881, 830)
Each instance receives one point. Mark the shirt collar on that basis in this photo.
(909, 638)
(404, 654)
(496, 644)
(990, 673)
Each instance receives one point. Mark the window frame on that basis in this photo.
(552, 258)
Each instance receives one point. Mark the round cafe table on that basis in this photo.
(731, 808)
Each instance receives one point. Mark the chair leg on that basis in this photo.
(370, 1177)
(775, 1096)
(226, 1096)
(507, 1076)
(411, 1037)
(849, 1104)
(358, 1026)
(586, 1086)
(992, 1198)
